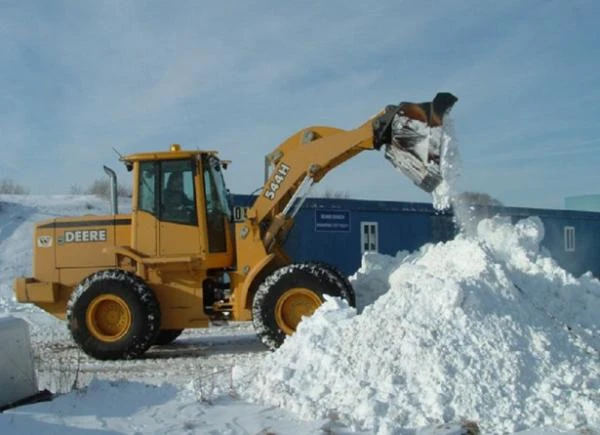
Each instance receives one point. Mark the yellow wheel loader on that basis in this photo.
(125, 282)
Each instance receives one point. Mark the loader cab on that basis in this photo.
(180, 207)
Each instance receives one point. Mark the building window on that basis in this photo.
(369, 239)
(570, 239)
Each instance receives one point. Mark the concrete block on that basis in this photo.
(17, 371)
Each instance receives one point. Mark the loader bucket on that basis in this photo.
(413, 138)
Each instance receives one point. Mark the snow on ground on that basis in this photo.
(482, 329)
(140, 408)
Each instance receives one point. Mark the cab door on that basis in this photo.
(182, 209)
(179, 231)
(217, 214)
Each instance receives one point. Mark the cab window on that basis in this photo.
(177, 199)
(147, 187)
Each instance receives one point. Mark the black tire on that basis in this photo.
(345, 288)
(91, 315)
(167, 336)
(310, 281)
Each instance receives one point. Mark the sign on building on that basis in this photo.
(332, 220)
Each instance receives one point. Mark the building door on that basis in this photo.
(369, 237)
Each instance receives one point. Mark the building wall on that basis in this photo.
(398, 228)
(586, 253)
(330, 230)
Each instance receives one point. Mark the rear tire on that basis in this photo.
(288, 294)
(167, 336)
(113, 314)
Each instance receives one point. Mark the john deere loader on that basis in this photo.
(125, 282)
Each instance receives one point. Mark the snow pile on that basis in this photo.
(371, 280)
(485, 329)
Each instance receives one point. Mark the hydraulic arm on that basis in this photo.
(410, 133)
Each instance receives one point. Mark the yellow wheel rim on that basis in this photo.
(108, 318)
(294, 304)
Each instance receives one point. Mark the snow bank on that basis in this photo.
(486, 329)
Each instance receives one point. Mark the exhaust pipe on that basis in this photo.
(114, 207)
(413, 138)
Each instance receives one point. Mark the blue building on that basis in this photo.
(339, 231)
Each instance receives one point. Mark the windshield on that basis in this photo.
(214, 186)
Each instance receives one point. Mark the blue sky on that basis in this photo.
(80, 77)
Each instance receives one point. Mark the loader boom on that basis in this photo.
(311, 153)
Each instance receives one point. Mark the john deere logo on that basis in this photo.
(44, 241)
(82, 236)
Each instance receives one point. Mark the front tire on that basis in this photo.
(345, 288)
(287, 295)
(113, 314)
